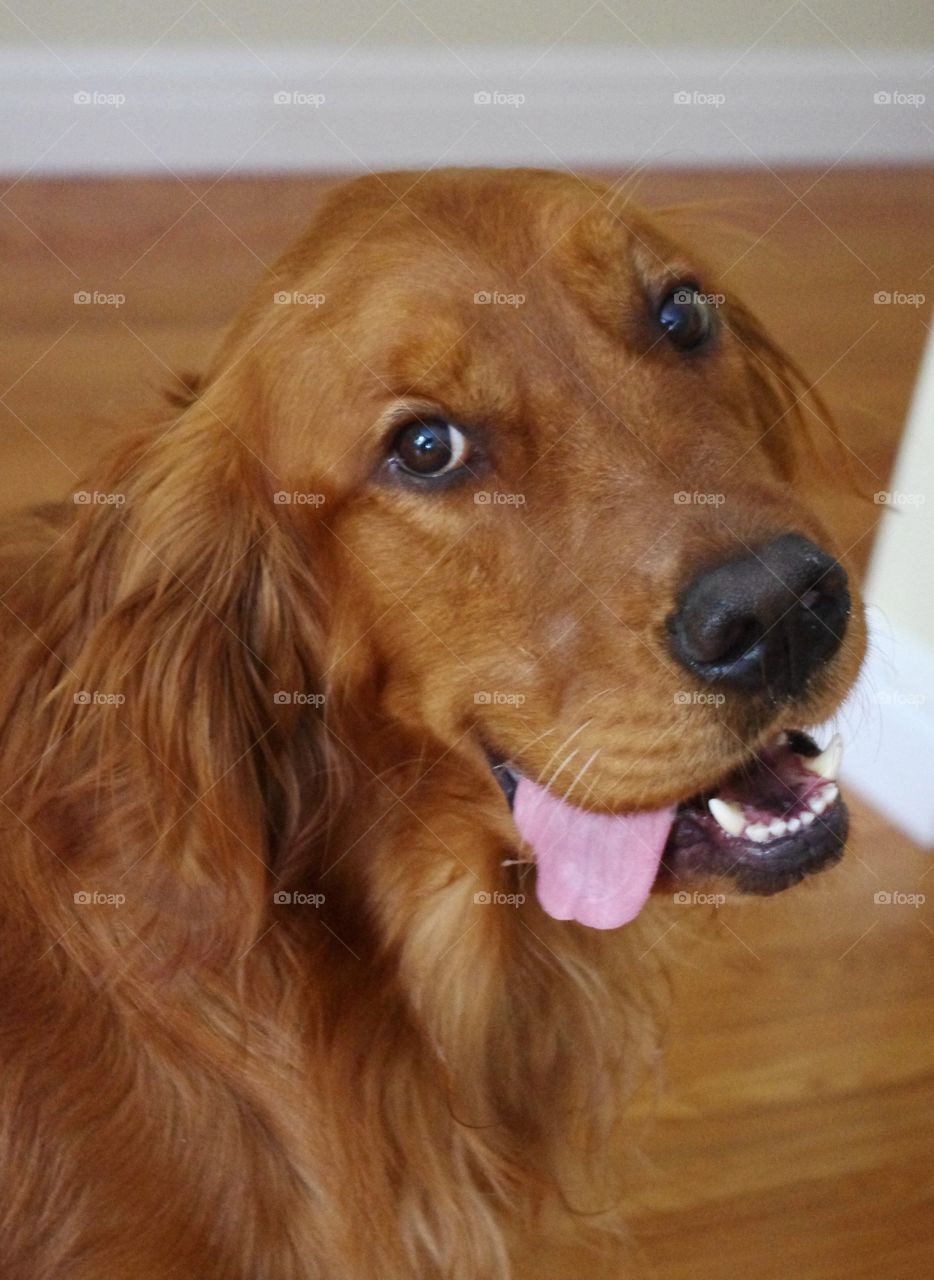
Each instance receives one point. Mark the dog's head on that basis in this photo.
(540, 472)
(555, 468)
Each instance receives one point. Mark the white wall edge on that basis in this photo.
(889, 730)
(214, 109)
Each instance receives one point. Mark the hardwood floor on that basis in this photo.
(793, 1135)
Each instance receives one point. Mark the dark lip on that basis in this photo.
(698, 848)
(695, 851)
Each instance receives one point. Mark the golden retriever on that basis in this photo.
(350, 716)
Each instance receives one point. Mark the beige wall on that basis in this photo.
(893, 24)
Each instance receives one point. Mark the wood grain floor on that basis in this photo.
(793, 1137)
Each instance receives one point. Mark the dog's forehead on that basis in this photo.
(485, 228)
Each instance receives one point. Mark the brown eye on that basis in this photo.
(686, 317)
(430, 447)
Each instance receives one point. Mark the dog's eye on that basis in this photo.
(686, 317)
(430, 447)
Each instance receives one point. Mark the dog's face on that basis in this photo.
(554, 473)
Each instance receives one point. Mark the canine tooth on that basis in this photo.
(827, 764)
(729, 816)
(758, 832)
(807, 818)
(794, 824)
(782, 739)
(777, 827)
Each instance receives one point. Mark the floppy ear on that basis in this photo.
(799, 431)
(177, 766)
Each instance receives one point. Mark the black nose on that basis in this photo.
(766, 621)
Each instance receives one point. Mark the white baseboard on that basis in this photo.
(888, 724)
(214, 109)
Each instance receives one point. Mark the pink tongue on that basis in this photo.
(595, 868)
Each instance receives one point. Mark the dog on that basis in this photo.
(351, 716)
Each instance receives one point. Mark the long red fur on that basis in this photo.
(200, 1081)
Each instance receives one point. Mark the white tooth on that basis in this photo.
(758, 832)
(794, 824)
(827, 764)
(782, 740)
(807, 818)
(818, 803)
(777, 827)
(729, 816)
(830, 793)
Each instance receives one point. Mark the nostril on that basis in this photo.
(737, 638)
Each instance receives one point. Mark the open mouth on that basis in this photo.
(768, 824)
